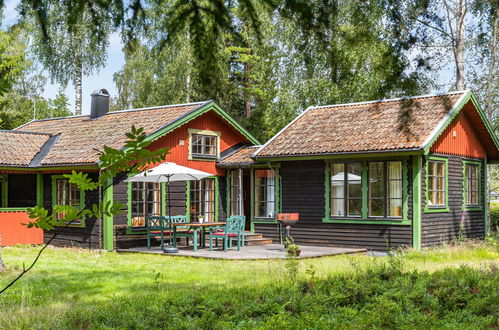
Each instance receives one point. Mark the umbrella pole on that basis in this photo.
(170, 248)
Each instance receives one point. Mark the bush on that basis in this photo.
(494, 218)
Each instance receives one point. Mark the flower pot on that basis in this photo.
(293, 253)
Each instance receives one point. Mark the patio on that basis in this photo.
(268, 251)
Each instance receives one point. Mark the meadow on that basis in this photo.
(450, 287)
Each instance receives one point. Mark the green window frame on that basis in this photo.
(439, 183)
(254, 200)
(365, 218)
(60, 180)
(4, 185)
(470, 187)
(138, 202)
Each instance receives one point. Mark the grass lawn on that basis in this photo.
(453, 287)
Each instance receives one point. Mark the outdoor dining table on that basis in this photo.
(196, 226)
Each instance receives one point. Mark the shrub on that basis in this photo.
(494, 218)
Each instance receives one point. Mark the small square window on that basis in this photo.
(204, 146)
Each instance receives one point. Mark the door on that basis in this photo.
(239, 194)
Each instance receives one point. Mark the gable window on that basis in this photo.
(204, 144)
(66, 193)
(385, 189)
(264, 193)
(145, 201)
(471, 184)
(202, 200)
(346, 189)
(436, 183)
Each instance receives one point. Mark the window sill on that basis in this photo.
(472, 208)
(369, 221)
(75, 225)
(436, 209)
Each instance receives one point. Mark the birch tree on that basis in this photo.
(69, 49)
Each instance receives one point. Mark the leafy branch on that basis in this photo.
(115, 165)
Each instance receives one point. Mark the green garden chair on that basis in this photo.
(157, 226)
(233, 228)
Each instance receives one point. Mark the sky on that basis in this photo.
(101, 79)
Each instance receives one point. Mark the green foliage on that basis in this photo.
(12, 61)
(494, 217)
(149, 291)
(133, 158)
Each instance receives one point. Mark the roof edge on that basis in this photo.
(24, 132)
(346, 153)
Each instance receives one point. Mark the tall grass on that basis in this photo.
(453, 287)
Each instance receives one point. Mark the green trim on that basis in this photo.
(217, 197)
(188, 200)
(405, 190)
(39, 189)
(108, 220)
(469, 96)
(365, 219)
(439, 209)
(486, 199)
(13, 209)
(252, 198)
(54, 178)
(46, 168)
(348, 156)
(163, 198)
(365, 190)
(416, 202)
(478, 207)
(209, 106)
(4, 189)
(228, 188)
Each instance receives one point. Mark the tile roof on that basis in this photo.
(241, 157)
(397, 124)
(80, 136)
(19, 148)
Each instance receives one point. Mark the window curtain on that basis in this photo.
(270, 195)
(395, 189)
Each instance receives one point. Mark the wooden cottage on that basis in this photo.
(379, 175)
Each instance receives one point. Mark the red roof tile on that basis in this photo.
(19, 148)
(398, 124)
(80, 136)
(242, 157)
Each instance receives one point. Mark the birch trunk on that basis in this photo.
(78, 85)
(460, 11)
(2, 264)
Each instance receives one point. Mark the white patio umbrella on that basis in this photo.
(169, 172)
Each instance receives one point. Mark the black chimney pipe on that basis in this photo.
(100, 103)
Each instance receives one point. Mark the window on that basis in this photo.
(202, 200)
(264, 190)
(3, 190)
(67, 194)
(471, 184)
(385, 189)
(204, 146)
(145, 201)
(346, 190)
(436, 195)
(235, 192)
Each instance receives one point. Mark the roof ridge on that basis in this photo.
(390, 100)
(23, 132)
(120, 111)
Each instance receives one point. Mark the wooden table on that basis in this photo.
(195, 226)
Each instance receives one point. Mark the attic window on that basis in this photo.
(204, 144)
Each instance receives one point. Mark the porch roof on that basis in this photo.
(20, 148)
(241, 157)
(384, 125)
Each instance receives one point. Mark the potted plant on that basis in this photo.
(292, 249)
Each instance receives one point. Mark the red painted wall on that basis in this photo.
(208, 121)
(12, 230)
(465, 143)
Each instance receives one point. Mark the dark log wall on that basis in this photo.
(438, 228)
(87, 237)
(303, 192)
(21, 190)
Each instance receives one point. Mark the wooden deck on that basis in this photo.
(269, 251)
